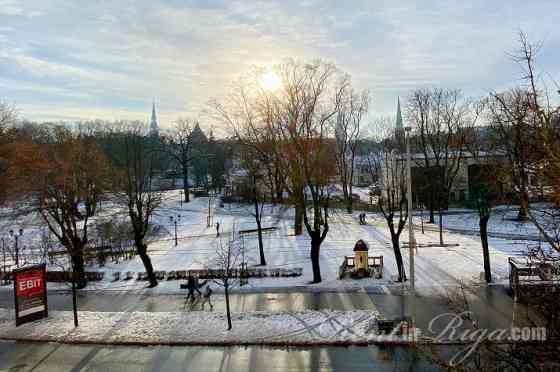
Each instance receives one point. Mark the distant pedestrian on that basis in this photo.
(206, 297)
(364, 219)
(217, 229)
(197, 285)
(190, 287)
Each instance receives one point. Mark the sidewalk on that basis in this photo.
(201, 328)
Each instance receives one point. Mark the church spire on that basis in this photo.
(399, 123)
(154, 130)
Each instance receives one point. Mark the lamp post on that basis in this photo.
(209, 218)
(174, 221)
(16, 236)
(4, 260)
(411, 239)
(181, 199)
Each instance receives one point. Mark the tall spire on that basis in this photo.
(399, 123)
(154, 130)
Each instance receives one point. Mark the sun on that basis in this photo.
(270, 81)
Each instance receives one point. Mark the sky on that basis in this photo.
(110, 59)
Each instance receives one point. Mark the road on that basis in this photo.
(28, 357)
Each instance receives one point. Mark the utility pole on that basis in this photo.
(411, 239)
(209, 218)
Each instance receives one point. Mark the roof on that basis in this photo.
(361, 246)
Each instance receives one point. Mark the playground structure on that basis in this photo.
(361, 265)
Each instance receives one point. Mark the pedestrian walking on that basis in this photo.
(197, 286)
(206, 297)
(190, 288)
(217, 229)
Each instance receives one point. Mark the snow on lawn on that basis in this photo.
(502, 220)
(436, 267)
(295, 328)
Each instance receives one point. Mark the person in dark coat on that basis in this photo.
(217, 229)
(191, 286)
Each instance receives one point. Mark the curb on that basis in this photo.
(280, 344)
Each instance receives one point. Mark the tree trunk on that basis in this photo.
(483, 222)
(78, 267)
(298, 223)
(315, 247)
(398, 257)
(432, 204)
(440, 226)
(299, 201)
(523, 205)
(186, 184)
(349, 205)
(228, 311)
(74, 301)
(350, 200)
(259, 232)
(142, 250)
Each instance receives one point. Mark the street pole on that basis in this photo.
(4, 260)
(209, 222)
(411, 239)
(175, 233)
(17, 252)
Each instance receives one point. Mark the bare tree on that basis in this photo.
(484, 180)
(438, 117)
(135, 174)
(352, 109)
(8, 117)
(226, 260)
(255, 170)
(387, 166)
(294, 123)
(66, 180)
(311, 101)
(182, 148)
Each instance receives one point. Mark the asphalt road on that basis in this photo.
(60, 357)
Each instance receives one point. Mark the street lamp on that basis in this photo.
(411, 239)
(174, 221)
(209, 221)
(16, 236)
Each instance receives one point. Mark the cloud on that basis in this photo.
(15, 8)
(79, 59)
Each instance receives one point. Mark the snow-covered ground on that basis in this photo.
(502, 220)
(436, 267)
(209, 328)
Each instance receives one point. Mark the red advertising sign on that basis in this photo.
(30, 292)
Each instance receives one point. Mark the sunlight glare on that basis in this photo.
(270, 81)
